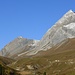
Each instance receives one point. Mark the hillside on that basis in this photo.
(4, 69)
(61, 62)
(64, 46)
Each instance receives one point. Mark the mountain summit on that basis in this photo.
(59, 31)
(18, 46)
(63, 29)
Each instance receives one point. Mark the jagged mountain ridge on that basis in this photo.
(63, 29)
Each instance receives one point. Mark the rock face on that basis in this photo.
(63, 29)
(19, 45)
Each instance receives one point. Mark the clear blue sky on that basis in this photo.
(30, 18)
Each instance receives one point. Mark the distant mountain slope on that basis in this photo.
(19, 45)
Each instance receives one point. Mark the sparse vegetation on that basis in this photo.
(4, 70)
(57, 63)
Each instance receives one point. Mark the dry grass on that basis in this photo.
(59, 60)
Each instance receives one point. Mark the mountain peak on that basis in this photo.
(63, 29)
(69, 17)
(70, 11)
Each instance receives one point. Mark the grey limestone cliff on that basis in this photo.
(63, 29)
(17, 46)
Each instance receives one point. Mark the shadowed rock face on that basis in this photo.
(18, 46)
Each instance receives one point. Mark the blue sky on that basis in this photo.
(30, 18)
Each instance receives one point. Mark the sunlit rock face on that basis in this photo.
(64, 28)
(18, 46)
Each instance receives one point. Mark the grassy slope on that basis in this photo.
(4, 69)
(60, 60)
(6, 60)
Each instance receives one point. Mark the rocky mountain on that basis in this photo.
(18, 46)
(63, 29)
(54, 54)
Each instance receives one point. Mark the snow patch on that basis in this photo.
(70, 26)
